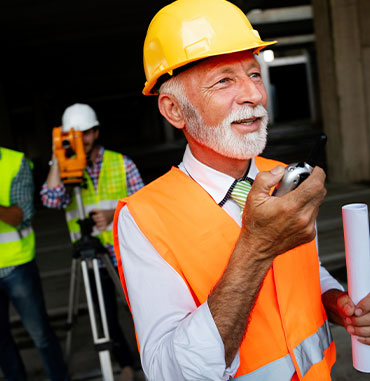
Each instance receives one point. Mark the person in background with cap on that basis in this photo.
(220, 287)
(109, 176)
(20, 281)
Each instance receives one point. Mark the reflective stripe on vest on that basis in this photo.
(111, 187)
(77, 235)
(308, 353)
(281, 369)
(198, 247)
(107, 204)
(15, 235)
(311, 350)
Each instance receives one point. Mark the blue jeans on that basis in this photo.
(23, 288)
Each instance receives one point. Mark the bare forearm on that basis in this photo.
(232, 299)
(270, 227)
(12, 215)
(53, 179)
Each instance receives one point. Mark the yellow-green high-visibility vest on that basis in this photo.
(111, 188)
(16, 246)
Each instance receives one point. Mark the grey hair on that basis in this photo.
(175, 87)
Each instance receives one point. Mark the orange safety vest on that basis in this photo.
(196, 237)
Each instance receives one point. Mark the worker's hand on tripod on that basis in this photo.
(102, 217)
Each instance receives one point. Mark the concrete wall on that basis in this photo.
(343, 53)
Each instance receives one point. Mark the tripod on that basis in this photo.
(87, 250)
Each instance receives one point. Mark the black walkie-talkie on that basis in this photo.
(297, 172)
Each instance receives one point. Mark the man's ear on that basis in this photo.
(97, 131)
(170, 108)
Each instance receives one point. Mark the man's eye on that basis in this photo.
(256, 75)
(224, 80)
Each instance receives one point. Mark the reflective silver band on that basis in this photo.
(281, 369)
(15, 235)
(107, 204)
(311, 350)
(77, 235)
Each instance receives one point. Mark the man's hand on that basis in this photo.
(12, 215)
(102, 217)
(270, 226)
(274, 225)
(356, 318)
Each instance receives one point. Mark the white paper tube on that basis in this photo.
(357, 247)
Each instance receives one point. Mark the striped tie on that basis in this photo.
(240, 192)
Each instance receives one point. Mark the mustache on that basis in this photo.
(247, 112)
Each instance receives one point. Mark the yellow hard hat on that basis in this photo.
(189, 30)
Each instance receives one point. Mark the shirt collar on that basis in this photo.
(99, 156)
(96, 165)
(215, 183)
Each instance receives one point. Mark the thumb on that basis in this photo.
(345, 304)
(266, 180)
(363, 306)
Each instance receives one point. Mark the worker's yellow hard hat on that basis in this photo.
(189, 30)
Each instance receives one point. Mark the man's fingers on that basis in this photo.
(363, 306)
(266, 180)
(312, 189)
(364, 340)
(345, 305)
(363, 332)
(363, 321)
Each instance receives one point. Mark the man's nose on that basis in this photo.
(250, 92)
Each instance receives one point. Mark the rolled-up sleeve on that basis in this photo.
(56, 197)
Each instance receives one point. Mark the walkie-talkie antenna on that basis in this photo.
(316, 151)
(297, 172)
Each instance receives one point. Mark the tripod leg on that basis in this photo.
(113, 274)
(101, 344)
(78, 285)
(100, 298)
(72, 306)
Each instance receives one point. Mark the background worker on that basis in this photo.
(19, 276)
(109, 176)
(214, 293)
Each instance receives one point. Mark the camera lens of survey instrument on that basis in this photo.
(297, 172)
(69, 151)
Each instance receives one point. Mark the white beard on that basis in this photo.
(222, 139)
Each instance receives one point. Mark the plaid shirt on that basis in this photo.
(21, 194)
(59, 198)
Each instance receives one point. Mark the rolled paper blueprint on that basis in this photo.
(357, 247)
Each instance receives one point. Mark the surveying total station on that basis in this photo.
(69, 150)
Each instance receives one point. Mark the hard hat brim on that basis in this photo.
(150, 87)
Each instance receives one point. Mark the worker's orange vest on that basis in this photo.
(196, 237)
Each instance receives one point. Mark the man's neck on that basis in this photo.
(235, 168)
(93, 154)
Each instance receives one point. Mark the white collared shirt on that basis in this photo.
(178, 341)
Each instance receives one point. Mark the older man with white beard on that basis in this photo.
(220, 287)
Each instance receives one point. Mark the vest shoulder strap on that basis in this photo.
(264, 164)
